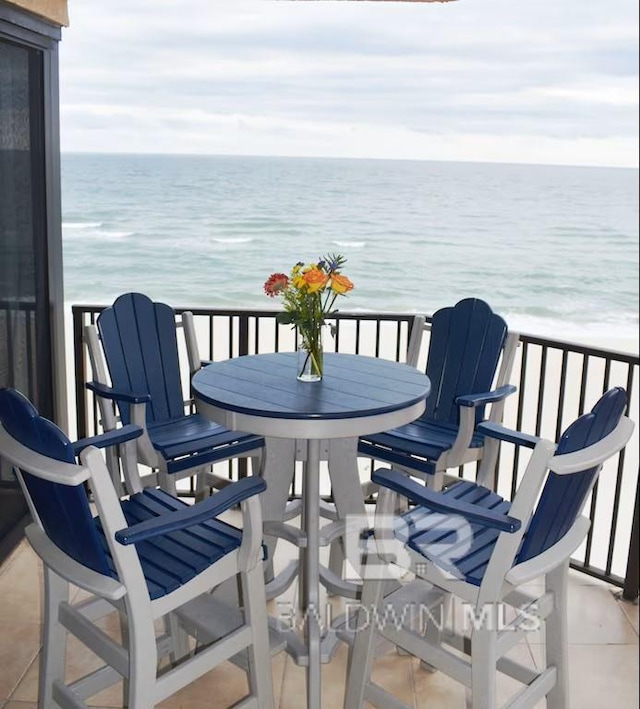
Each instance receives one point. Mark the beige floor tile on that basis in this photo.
(278, 665)
(603, 676)
(20, 705)
(630, 610)
(596, 617)
(20, 586)
(293, 693)
(80, 661)
(435, 690)
(27, 688)
(394, 673)
(19, 645)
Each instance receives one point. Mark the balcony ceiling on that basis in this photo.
(54, 11)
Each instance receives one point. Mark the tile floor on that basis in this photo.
(603, 653)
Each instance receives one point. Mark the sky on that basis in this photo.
(542, 81)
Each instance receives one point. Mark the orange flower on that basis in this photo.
(315, 279)
(340, 284)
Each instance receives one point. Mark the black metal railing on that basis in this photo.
(557, 381)
(18, 346)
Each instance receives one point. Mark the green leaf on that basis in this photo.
(285, 318)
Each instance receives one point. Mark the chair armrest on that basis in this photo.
(110, 438)
(443, 503)
(200, 512)
(488, 397)
(108, 392)
(502, 433)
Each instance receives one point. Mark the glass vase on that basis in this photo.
(310, 355)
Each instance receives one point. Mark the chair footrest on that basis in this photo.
(208, 619)
(405, 604)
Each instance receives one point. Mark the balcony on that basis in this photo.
(556, 381)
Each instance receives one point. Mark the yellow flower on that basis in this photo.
(315, 279)
(340, 284)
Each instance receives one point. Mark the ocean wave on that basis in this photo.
(350, 244)
(103, 234)
(233, 240)
(81, 225)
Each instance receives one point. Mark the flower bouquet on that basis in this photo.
(309, 293)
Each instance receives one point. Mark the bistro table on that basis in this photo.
(357, 395)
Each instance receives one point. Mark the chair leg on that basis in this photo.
(484, 660)
(143, 661)
(124, 639)
(54, 637)
(257, 461)
(167, 482)
(179, 639)
(278, 466)
(434, 627)
(362, 652)
(346, 490)
(255, 615)
(557, 582)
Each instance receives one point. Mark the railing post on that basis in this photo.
(243, 349)
(243, 335)
(81, 374)
(632, 574)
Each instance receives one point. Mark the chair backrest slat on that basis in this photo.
(464, 350)
(563, 496)
(63, 510)
(141, 350)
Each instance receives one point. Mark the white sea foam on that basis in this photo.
(81, 225)
(105, 234)
(233, 240)
(350, 244)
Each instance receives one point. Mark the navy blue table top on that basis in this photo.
(352, 386)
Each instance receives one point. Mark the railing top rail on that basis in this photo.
(563, 345)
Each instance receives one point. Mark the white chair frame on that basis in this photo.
(502, 586)
(136, 660)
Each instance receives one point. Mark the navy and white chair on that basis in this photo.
(469, 362)
(468, 543)
(140, 345)
(148, 557)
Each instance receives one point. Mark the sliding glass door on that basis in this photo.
(29, 236)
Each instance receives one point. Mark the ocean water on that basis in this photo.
(553, 249)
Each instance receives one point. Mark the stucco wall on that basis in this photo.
(53, 10)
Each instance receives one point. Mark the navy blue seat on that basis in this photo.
(469, 544)
(467, 344)
(146, 557)
(140, 345)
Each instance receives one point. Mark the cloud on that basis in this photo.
(304, 77)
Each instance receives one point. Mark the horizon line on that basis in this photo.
(342, 157)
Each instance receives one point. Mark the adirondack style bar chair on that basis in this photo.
(468, 343)
(472, 545)
(148, 557)
(140, 346)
